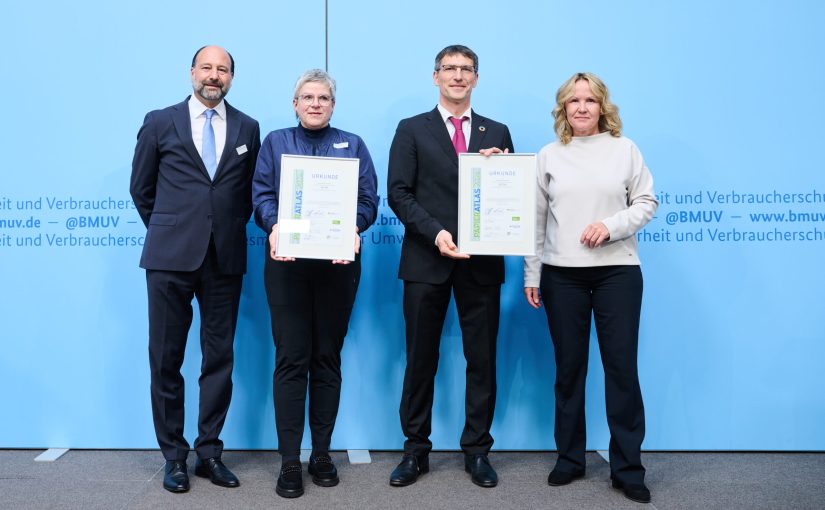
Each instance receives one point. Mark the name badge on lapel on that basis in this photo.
(241, 150)
(342, 145)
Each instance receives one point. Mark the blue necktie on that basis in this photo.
(208, 152)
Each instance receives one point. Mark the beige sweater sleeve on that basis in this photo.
(641, 201)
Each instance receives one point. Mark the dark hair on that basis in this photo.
(454, 49)
(231, 60)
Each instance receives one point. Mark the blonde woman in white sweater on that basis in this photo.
(594, 194)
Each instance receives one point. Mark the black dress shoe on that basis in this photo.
(558, 478)
(290, 481)
(633, 491)
(215, 470)
(408, 471)
(481, 472)
(323, 471)
(175, 477)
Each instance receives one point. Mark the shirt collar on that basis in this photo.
(196, 108)
(445, 115)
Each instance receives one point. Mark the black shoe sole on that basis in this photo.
(176, 490)
(619, 486)
(289, 494)
(325, 482)
(575, 477)
(645, 501)
(402, 483)
(486, 485)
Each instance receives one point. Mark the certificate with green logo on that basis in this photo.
(497, 204)
(317, 207)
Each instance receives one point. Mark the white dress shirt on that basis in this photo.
(197, 117)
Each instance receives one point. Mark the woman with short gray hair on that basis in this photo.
(310, 301)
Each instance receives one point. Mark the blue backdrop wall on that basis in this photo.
(724, 101)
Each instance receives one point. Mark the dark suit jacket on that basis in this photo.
(422, 187)
(179, 204)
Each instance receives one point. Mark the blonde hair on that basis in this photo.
(609, 113)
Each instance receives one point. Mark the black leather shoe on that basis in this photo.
(633, 491)
(323, 471)
(408, 471)
(290, 481)
(558, 478)
(175, 478)
(216, 472)
(481, 472)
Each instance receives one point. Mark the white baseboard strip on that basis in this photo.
(51, 455)
(359, 456)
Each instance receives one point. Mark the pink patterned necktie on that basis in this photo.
(459, 142)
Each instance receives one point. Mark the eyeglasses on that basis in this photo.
(452, 68)
(309, 100)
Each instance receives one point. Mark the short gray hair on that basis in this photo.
(317, 76)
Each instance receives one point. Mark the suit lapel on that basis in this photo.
(479, 131)
(233, 131)
(183, 126)
(439, 131)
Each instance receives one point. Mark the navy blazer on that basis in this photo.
(422, 188)
(178, 202)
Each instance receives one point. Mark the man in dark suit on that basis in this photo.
(422, 187)
(191, 184)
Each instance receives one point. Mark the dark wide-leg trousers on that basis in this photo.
(425, 306)
(613, 295)
(310, 303)
(170, 296)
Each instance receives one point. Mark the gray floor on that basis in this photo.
(114, 479)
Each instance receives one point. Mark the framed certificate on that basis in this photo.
(497, 204)
(317, 207)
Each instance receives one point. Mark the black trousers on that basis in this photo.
(170, 296)
(310, 303)
(425, 306)
(613, 295)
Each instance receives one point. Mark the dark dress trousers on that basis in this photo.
(612, 297)
(422, 187)
(195, 246)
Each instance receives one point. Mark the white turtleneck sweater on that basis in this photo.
(593, 178)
